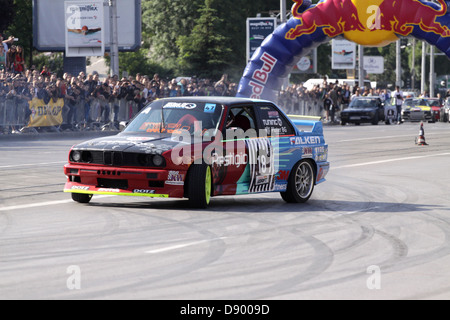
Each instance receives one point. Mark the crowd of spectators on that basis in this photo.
(89, 99)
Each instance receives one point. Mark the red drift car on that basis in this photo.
(201, 147)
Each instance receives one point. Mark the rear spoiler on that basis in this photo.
(308, 124)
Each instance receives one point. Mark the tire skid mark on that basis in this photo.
(215, 249)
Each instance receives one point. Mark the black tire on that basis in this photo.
(343, 123)
(199, 186)
(81, 197)
(300, 183)
(375, 120)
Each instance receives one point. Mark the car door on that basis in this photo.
(273, 149)
(230, 164)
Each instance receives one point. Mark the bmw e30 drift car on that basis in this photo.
(201, 147)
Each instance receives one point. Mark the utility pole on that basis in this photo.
(432, 50)
(283, 11)
(283, 19)
(413, 65)
(424, 59)
(398, 72)
(114, 45)
(361, 66)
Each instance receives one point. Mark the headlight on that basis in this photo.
(158, 160)
(76, 156)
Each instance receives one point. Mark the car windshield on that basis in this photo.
(419, 102)
(363, 103)
(434, 103)
(166, 116)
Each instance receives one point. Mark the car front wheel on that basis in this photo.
(81, 197)
(300, 183)
(199, 186)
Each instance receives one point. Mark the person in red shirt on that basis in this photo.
(19, 61)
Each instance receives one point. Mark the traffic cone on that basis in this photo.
(421, 139)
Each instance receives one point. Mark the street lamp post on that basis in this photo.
(114, 46)
(424, 57)
(398, 71)
(432, 79)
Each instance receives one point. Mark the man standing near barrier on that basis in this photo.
(334, 96)
(398, 96)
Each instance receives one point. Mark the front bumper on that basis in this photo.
(357, 117)
(417, 116)
(120, 181)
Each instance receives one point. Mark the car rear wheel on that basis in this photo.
(81, 197)
(199, 186)
(300, 183)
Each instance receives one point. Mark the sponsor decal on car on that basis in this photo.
(79, 188)
(305, 140)
(178, 105)
(175, 178)
(144, 191)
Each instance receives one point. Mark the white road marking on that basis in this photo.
(388, 137)
(43, 204)
(34, 205)
(391, 160)
(184, 245)
(51, 203)
(359, 211)
(31, 164)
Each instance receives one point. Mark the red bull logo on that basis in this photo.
(369, 22)
(335, 16)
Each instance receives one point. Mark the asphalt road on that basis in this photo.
(379, 228)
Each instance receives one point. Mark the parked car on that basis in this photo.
(364, 110)
(201, 147)
(409, 94)
(436, 107)
(420, 109)
(445, 111)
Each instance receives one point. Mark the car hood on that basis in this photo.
(359, 110)
(418, 108)
(136, 143)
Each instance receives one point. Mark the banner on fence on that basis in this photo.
(46, 115)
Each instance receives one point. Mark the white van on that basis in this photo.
(311, 83)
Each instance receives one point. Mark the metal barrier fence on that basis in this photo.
(14, 113)
(304, 107)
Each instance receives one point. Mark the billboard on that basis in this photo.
(374, 64)
(307, 63)
(343, 54)
(257, 30)
(49, 25)
(84, 30)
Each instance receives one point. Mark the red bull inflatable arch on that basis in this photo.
(366, 22)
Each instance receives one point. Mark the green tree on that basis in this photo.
(203, 52)
(23, 28)
(138, 62)
(6, 14)
(163, 22)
